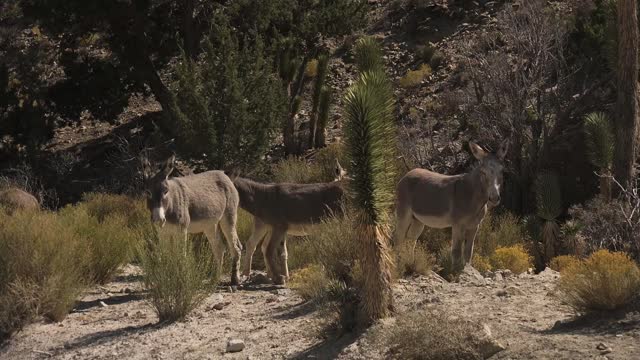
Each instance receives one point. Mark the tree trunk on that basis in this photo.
(188, 30)
(627, 83)
(377, 266)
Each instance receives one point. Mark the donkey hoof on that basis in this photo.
(280, 280)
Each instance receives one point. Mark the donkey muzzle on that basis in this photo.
(158, 216)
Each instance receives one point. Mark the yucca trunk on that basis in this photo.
(627, 87)
(377, 266)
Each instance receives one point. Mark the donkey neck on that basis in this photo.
(473, 186)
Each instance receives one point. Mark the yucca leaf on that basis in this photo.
(368, 55)
(548, 196)
(600, 140)
(370, 134)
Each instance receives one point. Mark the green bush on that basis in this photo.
(413, 260)
(111, 241)
(101, 206)
(501, 231)
(414, 78)
(437, 60)
(42, 268)
(296, 170)
(177, 279)
(425, 53)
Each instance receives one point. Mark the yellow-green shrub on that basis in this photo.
(42, 268)
(311, 283)
(481, 263)
(415, 77)
(501, 231)
(412, 260)
(312, 68)
(604, 281)
(514, 258)
(176, 276)
(561, 262)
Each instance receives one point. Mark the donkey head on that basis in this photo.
(491, 168)
(339, 172)
(157, 189)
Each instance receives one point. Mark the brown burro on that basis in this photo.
(199, 203)
(441, 201)
(285, 208)
(13, 199)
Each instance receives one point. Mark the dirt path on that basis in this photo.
(275, 323)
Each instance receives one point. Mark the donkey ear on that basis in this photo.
(146, 166)
(167, 169)
(477, 151)
(502, 151)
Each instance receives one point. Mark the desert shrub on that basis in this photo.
(500, 231)
(414, 78)
(514, 258)
(427, 335)
(437, 59)
(559, 263)
(481, 263)
(325, 159)
(42, 266)
(300, 252)
(413, 260)
(244, 225)
(612, 225)
(101, 206)
(311, 283)
(604, 281)
(177, 279)
(312, 68)
(296, 170)
(110, 241)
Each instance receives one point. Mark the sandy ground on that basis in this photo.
(114, 322)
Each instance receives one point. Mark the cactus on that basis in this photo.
(370, 134)
(368, 55)
(600, 146)
(549, 207)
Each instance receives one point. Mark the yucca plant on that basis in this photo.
(549, 207)
(323, 116)
(370, 144)
(322, 70)
(600, 147)
(368, 55)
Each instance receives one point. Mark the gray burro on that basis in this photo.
(459, 201)
(197, 203)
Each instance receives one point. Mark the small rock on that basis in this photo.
(498, 277)
(218, 306)
(602, 346)
(283, 291)
(271, 299)
(103, 304)
(488, 346)
(506, 273)
(502, 293)
(235, 345)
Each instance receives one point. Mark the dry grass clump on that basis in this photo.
(559, 263)
(176, 276)
(101, 206)
(430, 335)
(296, 170)
(312, 68)
(412, 260)
(43, 265)
(414, 78)
(514, 258)
(604, 281)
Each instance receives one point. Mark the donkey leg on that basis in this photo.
(457, 242)
(413, 233)
(274, 256)
(259, 232)
(403, 223)
(265, 251)
(469, 240)
(228, 227)
(217, 247)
